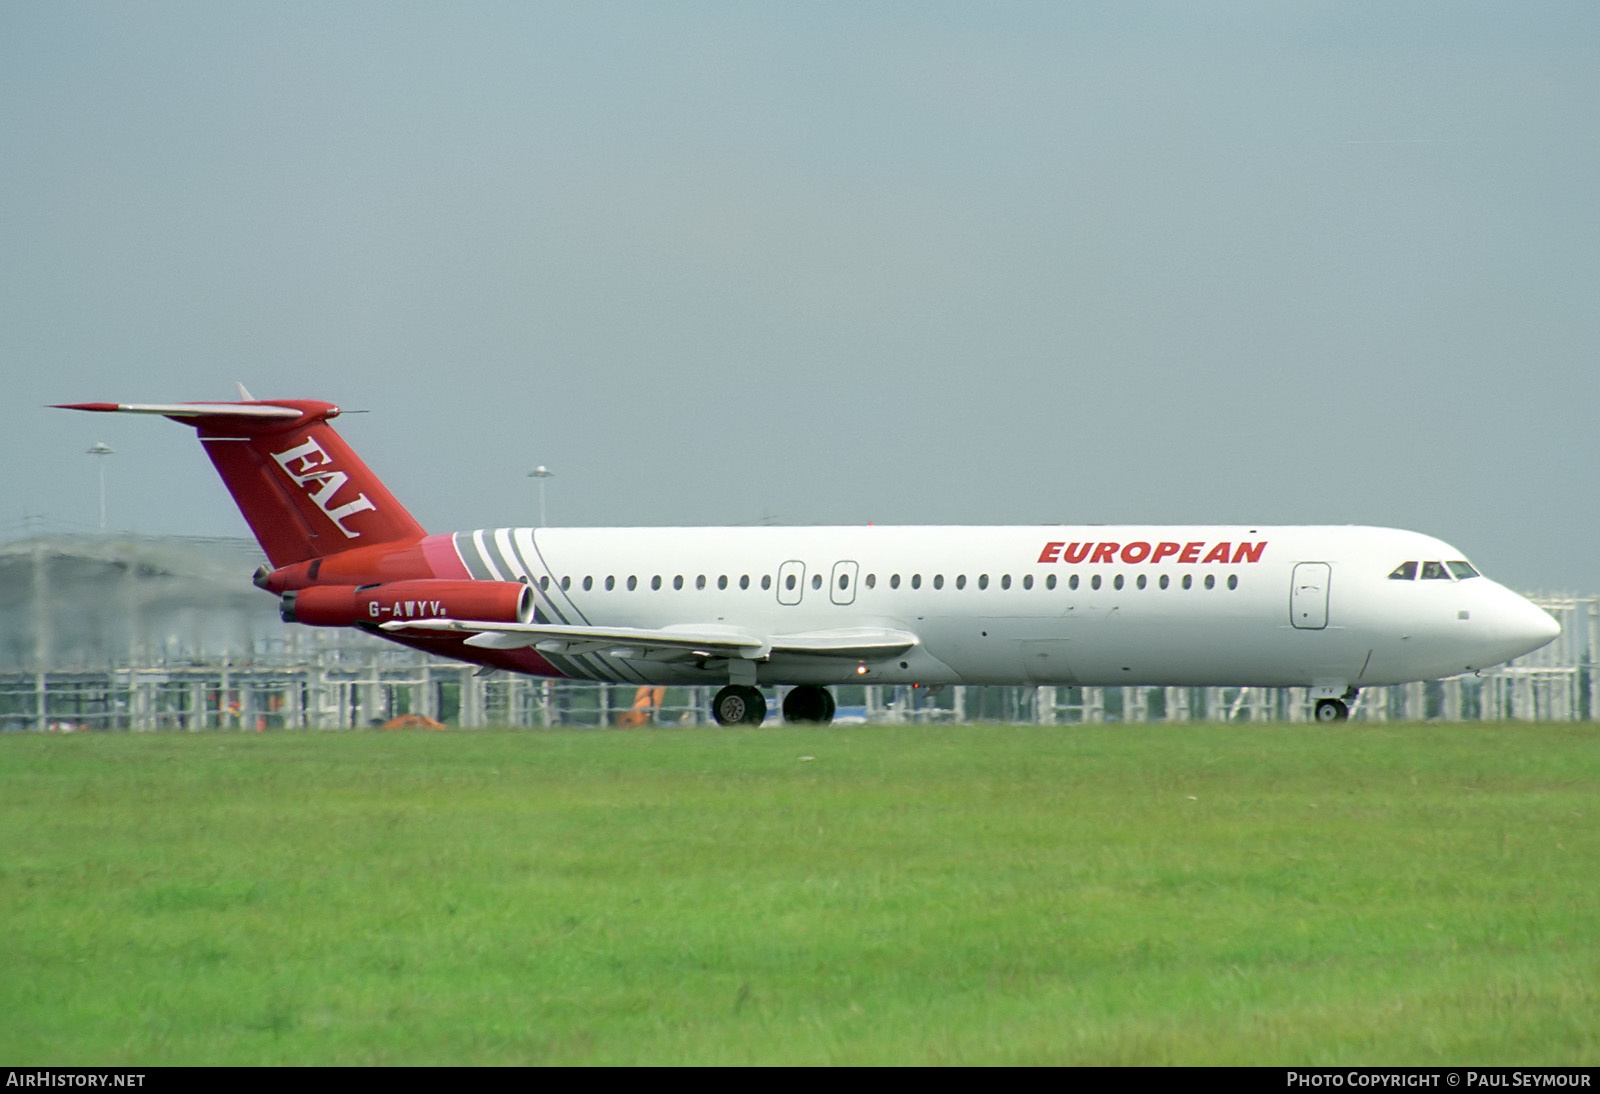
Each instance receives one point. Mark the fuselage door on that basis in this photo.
(843, 587)
(791, 582)
(1308, 595)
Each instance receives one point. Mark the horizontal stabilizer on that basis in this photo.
(189, 410)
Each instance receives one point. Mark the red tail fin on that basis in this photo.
(303, 491)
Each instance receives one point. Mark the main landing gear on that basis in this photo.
(739, 705)
(743, 705)
(808, 703)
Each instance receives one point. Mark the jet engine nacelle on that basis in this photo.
(349, 605)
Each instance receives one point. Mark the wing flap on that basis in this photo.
(561, 638)
(853, 643)
(668, 643)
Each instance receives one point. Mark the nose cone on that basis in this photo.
(1525, 627)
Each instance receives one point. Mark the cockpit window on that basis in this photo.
(1406, 571)
(1435, 571)
(1462, 570)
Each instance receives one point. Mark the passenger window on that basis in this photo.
(872, 581)
(700, 582)
(1188, 581)
(655, 583)
(983, 581)
(677, 582)
(1406, 571)
(1462, 570)
(611, 582)
(588, 583)
(544, 584)
(938, 581)
(1027, 581)
(1141, 581)
(1094, 582)
(1050, 581)
(1005, 581)
(566, 583)
(1164, 581)
(788, 582)
(816, 581)
(722, 581)
(1233, 581)
(766, 582)
(1435, 571)
(894, 581)
(633, 583)
(961, 581)
(1072, 582)
(1116, 582)
(844, 581)
(1211, 581)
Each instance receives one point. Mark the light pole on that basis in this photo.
(100, 448)
(541, 473)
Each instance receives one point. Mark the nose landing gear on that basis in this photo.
(1332, 710)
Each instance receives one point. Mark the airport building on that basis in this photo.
(167, 633)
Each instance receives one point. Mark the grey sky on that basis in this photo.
(823, 263)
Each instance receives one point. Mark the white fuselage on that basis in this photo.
(1103, 605)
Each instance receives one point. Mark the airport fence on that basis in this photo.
(337, 679)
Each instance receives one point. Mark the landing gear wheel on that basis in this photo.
(808, 703)
(739, 705)
(1332, 710)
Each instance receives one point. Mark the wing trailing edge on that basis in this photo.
(639, 643)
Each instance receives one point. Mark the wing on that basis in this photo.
(668, 643)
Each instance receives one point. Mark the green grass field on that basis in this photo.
(983, 895)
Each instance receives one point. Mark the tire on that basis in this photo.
(808, 703)
(1331, 710)
(728, 706)
(739, 705)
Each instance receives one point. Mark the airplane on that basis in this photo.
(1333, 609)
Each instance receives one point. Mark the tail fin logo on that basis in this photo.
(309, 466)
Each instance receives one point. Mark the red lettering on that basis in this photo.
(1135, 552)
(1219, 553)
(1105, 552)
(1075, 552)
(1164, 550)
(1051, 552)
(1191, 552)
(1249, 552)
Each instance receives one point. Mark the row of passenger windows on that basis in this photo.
(791, 581)
(1433, 571)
